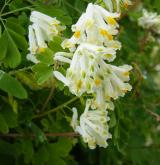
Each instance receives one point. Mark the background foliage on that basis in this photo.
(32, 110)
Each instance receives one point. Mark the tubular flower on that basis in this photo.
(50, 26)
(88, 72)
(150, 21)
(91, 46)
(81, 75)
(113, 84)
(116, 5)
(93, 126)
(96, 26)
(43, 29)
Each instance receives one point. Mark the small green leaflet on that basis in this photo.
(12, 86)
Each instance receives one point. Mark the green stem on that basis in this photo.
(58, 134)
(55, 109)
(20, 70)
(14, 11)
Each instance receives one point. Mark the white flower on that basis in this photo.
(36, 42)
(63, 57)
(111, 84)
(43, 29)
(150, 21)
(88, 72)
(117, 4)
(80, 76)
(93, 126)
(50, 26)
(96, 26)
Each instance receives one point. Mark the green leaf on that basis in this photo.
(19, 40)
(0, 30)
(10, 117)
(66, 20)
(13, 24)
(55, 45)
(3, 125)
(12, 86)
(41, 156)
(13, 103)
(53, 11)
(46, 56)
(13, 56)
(39, 135)
(113, 121)
(3, 45)
(27, 150)
(58, 151)
(42, 72)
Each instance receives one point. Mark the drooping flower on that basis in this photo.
(50, 26)
(80, 75)
(33, 46)
(96, 26)
(93, 126)
(116, 5)
(91, 46)
(43, 29)
(88, 72)
(150, 21)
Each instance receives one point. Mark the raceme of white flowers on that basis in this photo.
(96, 26)
(93, 126)
(92, 47)
(151, 22)
(116, 5)
(42, 30)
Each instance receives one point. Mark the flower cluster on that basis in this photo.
(42, 30)
(93, 126)
(92, 45)
(151, 22)
(96, 26)
(116, 5)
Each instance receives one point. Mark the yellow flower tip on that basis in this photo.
(100, 49)
(89, 23)
(125, 5)
(108, 98)
(77, 34)
(103, 32)
(109, 56)
(83, 74)
(97, 82)
(111, 21)
(126, 73)
(55, 24)
(116, 45)
(88, 86)
(92, 68)
(34, 49)
(96, 128)
(79, 85)
(41, 50)
(124, 90)
(68, 44)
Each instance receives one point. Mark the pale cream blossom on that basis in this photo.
(150, 21)
(43, 29)
(95, 26)
(89, 73)
(117, 5)
(93, 126)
